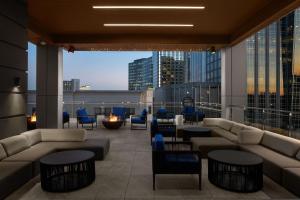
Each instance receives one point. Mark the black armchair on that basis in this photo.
(173, 158)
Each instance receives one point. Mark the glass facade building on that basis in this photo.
(196, 66)
(273, 74)
(140, 74)
(168, 68)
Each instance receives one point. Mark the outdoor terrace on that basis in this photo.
(126, 173)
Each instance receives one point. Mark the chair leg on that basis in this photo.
(153, 181)
(200, 182)
(68, 124)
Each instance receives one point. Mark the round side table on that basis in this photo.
(235, 170)
(67, 170)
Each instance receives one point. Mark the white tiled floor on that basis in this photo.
(126, 173)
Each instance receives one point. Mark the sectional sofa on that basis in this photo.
(19, 155)
(281, 154)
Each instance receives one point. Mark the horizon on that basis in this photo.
(95, 71)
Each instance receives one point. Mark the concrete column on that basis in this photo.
(49, 86)
(234, 82)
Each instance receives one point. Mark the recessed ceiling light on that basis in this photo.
(152, 7)
(149, 25)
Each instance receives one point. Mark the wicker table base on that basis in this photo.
(235, 170)
(67, 170)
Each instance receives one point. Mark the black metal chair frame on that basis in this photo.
(160, 168)
(140, 128)
(78, 121)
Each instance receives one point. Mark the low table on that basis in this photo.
(67, 170)
(234, 170)
(187, 133)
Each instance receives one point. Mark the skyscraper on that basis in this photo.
(196, 67)
(273, 73)
(140, 74)
(168, 68)
(72, 85)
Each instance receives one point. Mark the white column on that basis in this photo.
(49, 86)
(234, 82)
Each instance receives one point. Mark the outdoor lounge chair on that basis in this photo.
(140, 120)
(84, 118)
(172, 158)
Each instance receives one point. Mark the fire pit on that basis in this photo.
(31, 122)
(112, 122)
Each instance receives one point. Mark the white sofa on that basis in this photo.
(281, 154)
(20, 154)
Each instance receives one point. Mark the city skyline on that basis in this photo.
(103, 70)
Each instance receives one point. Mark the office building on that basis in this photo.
(273, 74)
(168, 68)
(140, 74)
(72, 85)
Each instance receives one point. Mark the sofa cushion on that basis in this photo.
(158, 143)
(298, 155)
(225, 124)
(274, 162)
(2, 152)
(33, 137)
(211, 121)
(207, 144)
(33, 153)
(236, 128)
(63, 135)
(285, 145)
(250, 136)
(226, 134)
(13, 175)
(291, 180)
(15, 144)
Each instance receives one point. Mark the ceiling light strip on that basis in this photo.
(152, 7)
(148, 25)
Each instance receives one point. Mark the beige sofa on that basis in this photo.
(281, 154)
(19, 155)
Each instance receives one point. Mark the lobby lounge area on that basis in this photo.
(126, 173)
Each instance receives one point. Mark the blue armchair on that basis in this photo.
(120, 112)
(164, 123)
(139, 119)
(190, 114)
(168, 158)
(84, 118)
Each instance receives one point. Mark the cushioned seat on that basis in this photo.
(33, 155)
(207, 144)
(220, 132)
(291, 179)
(182, 158)
(273, 162)
(137, 120)
(13, 175)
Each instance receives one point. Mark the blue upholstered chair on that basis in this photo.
(66, 119)
(164, 123)
(190, 114)
(84, 118)
(120, 112)
(139, 119)
(167, 158)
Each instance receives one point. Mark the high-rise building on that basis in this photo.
(140, 74)
(72, 85)
(195, 67)
(168, 68)
(213, 67)
(273, 73)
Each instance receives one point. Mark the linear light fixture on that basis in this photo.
(152, 7)
(148, 25)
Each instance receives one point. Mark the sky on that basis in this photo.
(102, 70)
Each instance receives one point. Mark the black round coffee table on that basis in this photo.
(67, 170)
(234, 170)
(187, 133)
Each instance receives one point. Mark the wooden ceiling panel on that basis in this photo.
(222, 23)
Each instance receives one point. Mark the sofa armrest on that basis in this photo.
(63, 135)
